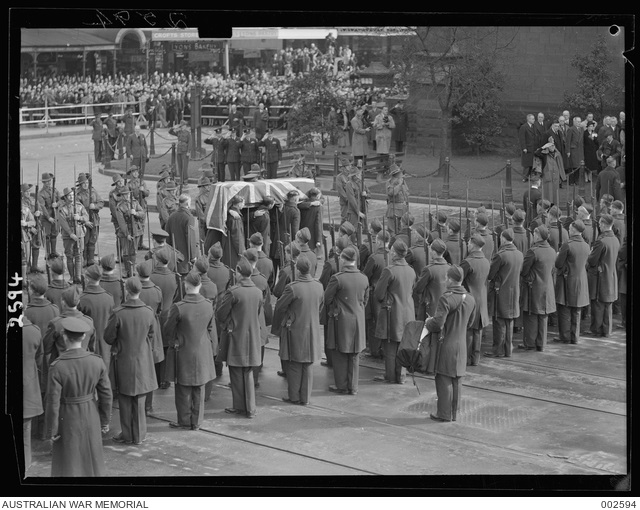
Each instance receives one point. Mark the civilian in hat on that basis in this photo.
(619, 221)
(260, 221)
(538, 300)
(504, 294)
(521, 236)
(52, 341)
(159, 238)
(31, 389)
(603, 278)
(48, 200)
(475, 269)
(393, 292)
(272, 153)
(342, 184)
(248, 150)
(40, 311)
(92, 203)
(457, 309)
(240, 343)
(136, 148)
(359, 144)
(232, 146)
(201, 203)
(264, 264)
(97, 303)
(110, 281)
(168, 282)
(217, 153)
(266, 313)
(397, 199)
(57, 285)
(571, 286)
(303, 236)
(129, 227)
(191, 333)
(345, 299)
(383, 125)
(72, 218)
(131, 333)
(140, 193)
(183, 233)
(296, 321)
(431, 282)
(75, 422)
(151, 295)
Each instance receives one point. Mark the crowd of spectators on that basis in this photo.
(245, 87)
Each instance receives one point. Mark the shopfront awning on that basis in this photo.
(61, 39)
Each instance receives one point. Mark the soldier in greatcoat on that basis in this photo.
(52, 341)
(264, 264)
(572, 286)
(58, 285)
(330, 267)
(302, 238)
(345, 299)
(538, 295)
(453, 254)
(601, 271)
(273, 153)
(167, 281)
(483, 230)
(75, 422)
(31, 393)
(248, 151)
(554, 226)
(159, 238)
(233, 242)
(431, 282)
(48, 200)
(217, 153)
(454, 315)
(521, 236)
(240, 343)
(98, 304)
(232, 154)
(183, 234)
(397, 199)
(260, 223)
(191, 333)
(376, 263)
(393, 293)
(342, 184)
(131, 333)
(201, 203)
(296, 321)
(416, 256)
(504, 294)
(151, 295)
(311, 218)
(109, 280)
(166, 201)
(475, 268)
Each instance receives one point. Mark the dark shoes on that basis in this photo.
(251, 415)
(120, 439)
(522, 347)
(289, 401)
(491, 355)
(335, 389)
(176, 425)
(353, 392)
(231, 410)
(559, 341)
(437, 418)
(164, 385)
(325, 364)
(282, 374)
(381, 378)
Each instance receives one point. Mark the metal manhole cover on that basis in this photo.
(476, 413)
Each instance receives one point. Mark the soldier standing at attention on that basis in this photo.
(75, 423)
(131, 333)
(342, 184)
(240, 342)
(393, 293)
(92, 203)
(248, 151)
(48, 200)
(110, 281)
(273, 154)
(217, 153)
(345, 299)
(191, 334)
(140, 194)
(296, 321)
(183, 150)
(202, 201)
(397, 199)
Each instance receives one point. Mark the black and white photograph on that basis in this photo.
(351, 245)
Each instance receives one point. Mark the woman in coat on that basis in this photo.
(296, 321)
(591, 144)
(359, 145)
(454, 316)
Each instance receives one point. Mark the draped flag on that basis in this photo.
(253, 194)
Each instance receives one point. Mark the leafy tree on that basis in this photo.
(597, 88)
(311, 95)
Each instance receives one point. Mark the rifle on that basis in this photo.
(430, 218)
(384, 230)
(119, 253)
(324, 244)
(466, 212)
(333, 243)
(359, 234)
(131, 225)
(426, 245)
(503, 212)
(461, 239)
(53, 190)
(279, 241)
(36, 208)
(437, 220)
(175, 264)
(291, 262)
(77, 259)
(493, 232)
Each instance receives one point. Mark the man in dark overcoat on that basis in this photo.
(109, 280)
(273, 153)
(167, 281)
(232, 155)
(521, 236)
(57, 285)
(532, 196)
(159, 238)
(574, 145)
(296, 321)
(183, 232)
(303, 237)
(608, 182)
(601, 271)
(376, 263)
(572, 286)
(136, 148)
(345, 299)
(233, 242)
(131, 332)
(538, 299)
(527, 139)
(238, 314)
(98, 304)
(503, 294)
(248, 151)
(75, 422)
(264, 264)
(311, 218)
(454, 315)
(191, 334)
(217, 153)
(452, 241)
(260, 223)
(394, 295)
(475, 268)
(431, 282)
(31, 388)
